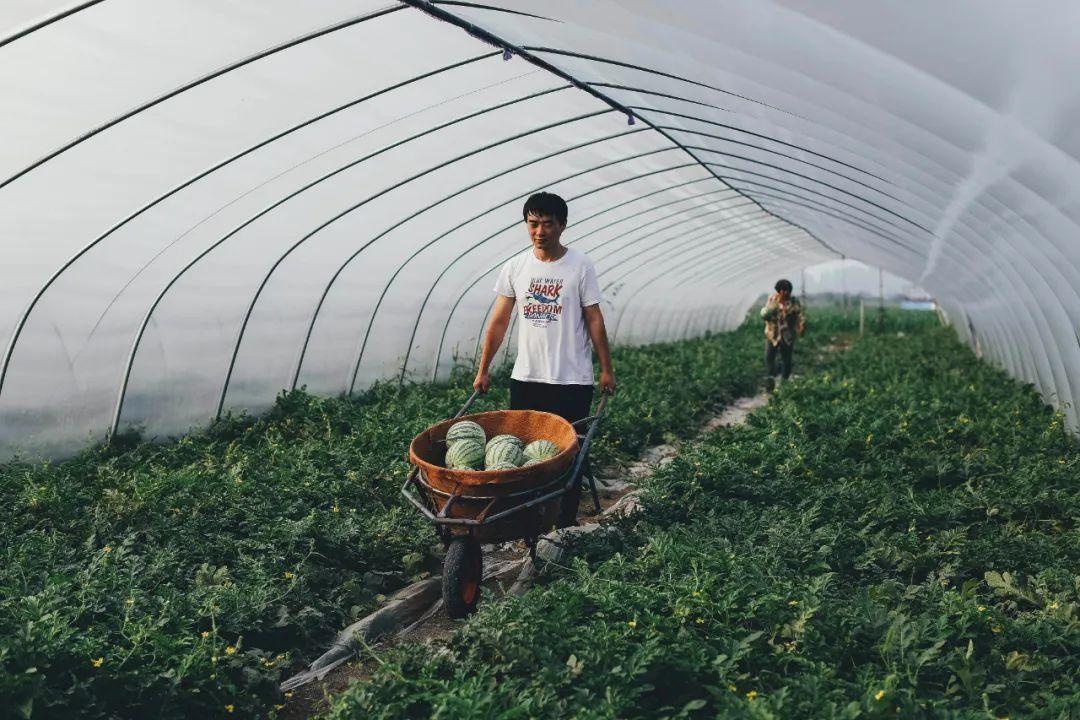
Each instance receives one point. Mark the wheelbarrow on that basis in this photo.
(470, 507)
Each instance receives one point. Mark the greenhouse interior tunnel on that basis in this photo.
(204, 203)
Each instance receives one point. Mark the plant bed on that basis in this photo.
(893, 536)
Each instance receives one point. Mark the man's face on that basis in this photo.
(785, 295)
(544, 231)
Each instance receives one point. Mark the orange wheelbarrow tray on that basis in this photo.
(468, 508)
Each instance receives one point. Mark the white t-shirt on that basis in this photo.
(553, 341)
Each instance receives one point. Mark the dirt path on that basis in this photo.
(506, 560)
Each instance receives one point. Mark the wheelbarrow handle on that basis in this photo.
(468, 403)
(592, 419)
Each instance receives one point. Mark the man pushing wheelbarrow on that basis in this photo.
(556, 292)
(473, 477)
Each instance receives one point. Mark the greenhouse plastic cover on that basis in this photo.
(203, 203)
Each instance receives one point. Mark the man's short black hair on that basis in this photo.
(782, 285)
(546, 204)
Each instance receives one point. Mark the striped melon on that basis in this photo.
(465, 454)
(540, 450)
(503, 448)
(502, 466)
(465, 429)
(533, 461)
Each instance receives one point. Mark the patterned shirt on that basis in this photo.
(783, 320)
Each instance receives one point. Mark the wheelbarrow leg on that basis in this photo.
(463, 569)
(595, 495)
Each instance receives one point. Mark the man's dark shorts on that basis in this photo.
(571, 402)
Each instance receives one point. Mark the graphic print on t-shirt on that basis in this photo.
(543, 302)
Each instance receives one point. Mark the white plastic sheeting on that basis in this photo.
(205, 202)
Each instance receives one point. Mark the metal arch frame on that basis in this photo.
(751, 133)
(697, 275)
(653, 233)
(527, 53)
(493, 8)
(769, 211)
(743, 261)
(1020, 290)
(356, 253)
(795, 199)
(652, 71)
(1021, 287)
(748, 226)
(503, 260)
(371, 319)
(931, 160)
(655, 93)
(476, 279)
(711, 234)
(736, 220)
(199, 81)
(48, 21)
(736, 261)
(356, 365)
(770, 151)
(683, 221)
(427, 297)
(728, 179)
(980, 203)
(767, 236)
(948, 252)
(305, 238)
(961, 222)
(757, 163)
(135, 346)
(24, 318)
(753, 253)
(705, 231)
(786, 197)
(703, 319)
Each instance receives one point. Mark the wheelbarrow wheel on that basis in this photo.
(463, 569)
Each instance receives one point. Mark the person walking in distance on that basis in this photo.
(557, 295)
(785, 320)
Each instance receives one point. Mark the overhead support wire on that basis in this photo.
(426, 6)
